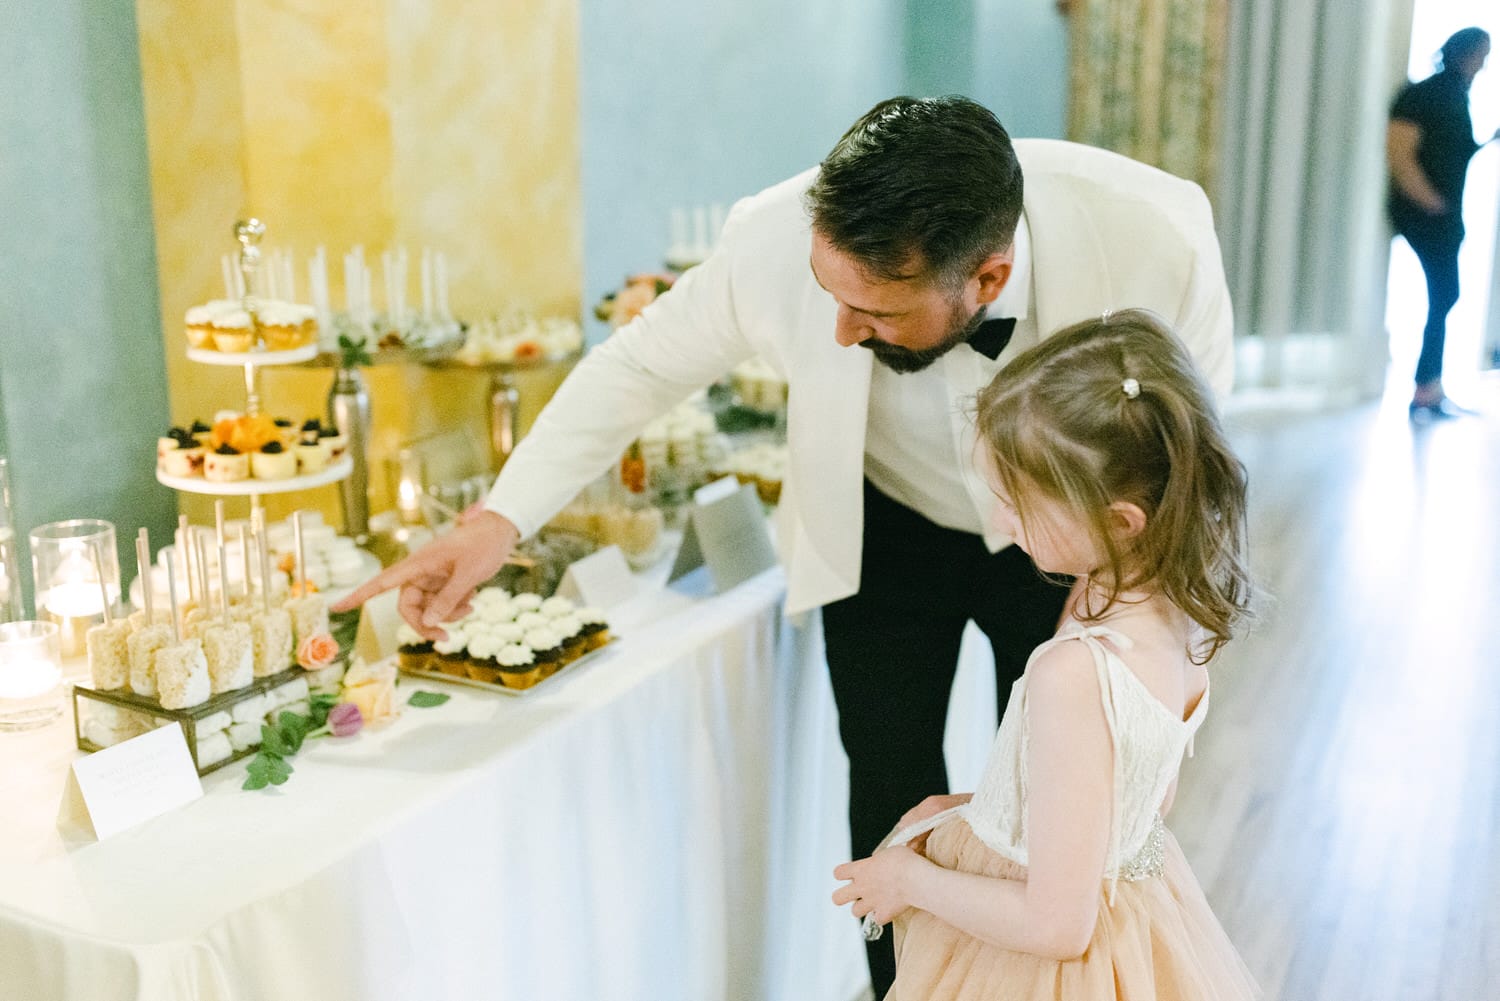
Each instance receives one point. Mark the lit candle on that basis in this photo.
(427, 284)
(27, 679)
(30, 675)
(74, 599)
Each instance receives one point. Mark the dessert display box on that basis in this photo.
(121, 711)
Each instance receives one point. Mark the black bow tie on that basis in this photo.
(992, 336)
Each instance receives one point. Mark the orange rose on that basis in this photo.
(317, 652)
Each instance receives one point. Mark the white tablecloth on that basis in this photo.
(662, 824)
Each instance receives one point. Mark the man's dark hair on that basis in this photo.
(924, 188)
(1460, 45)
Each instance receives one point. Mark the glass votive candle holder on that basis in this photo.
(31, 690)
(68, 561)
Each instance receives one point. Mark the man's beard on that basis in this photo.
(903, 360)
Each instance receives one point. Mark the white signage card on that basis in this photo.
(728, 534)
(723, 487)
(135, 780)
(602, 579)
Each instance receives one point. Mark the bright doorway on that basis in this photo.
(1469, 350)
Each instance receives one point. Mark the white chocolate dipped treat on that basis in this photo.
(231, 661)
(214, 749)
(243, 736)
(271, 638)
(143, 645)
(109, 654)
(309, 616)
(182, 676)
(214, 723)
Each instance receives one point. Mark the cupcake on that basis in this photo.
(310, 430)
(526, 603)
(226, 464)
(285, 326)
(482, 665)
(452, 653)
(413, 650)
(569, 629)
(532, 620)
(546, 645)
(273, 462)
(492, 604)
(556, 608)
(201, 432)
(233, 333)
(595, 628)
(517, 666)
(508, 632)
(199, 323)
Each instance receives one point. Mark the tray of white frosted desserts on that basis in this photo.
(512, 644)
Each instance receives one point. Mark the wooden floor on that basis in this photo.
(1343, 810)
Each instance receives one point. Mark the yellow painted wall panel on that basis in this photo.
(451, 124)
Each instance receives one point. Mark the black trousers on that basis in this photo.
(1437, 250)
(892, 653)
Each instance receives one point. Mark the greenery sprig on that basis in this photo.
(281, 740)
(353, 353)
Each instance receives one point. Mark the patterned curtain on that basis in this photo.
(1146, 81)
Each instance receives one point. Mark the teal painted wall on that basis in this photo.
(685, 103)
(82, 377)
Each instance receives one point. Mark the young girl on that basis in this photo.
(1056, 879)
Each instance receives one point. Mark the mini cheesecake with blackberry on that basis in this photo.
(273, 462)
(226, 464)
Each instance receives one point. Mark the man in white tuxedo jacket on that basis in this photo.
(879, 284)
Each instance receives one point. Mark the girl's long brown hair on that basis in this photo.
(1058, 421)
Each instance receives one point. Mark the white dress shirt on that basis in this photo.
(919, 443)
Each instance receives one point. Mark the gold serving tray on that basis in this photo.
(514, 692)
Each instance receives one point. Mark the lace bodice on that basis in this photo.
(1148, 739)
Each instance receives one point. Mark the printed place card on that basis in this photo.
(602, 579)
(728, 533)
(128, 784)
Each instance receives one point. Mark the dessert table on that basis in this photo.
(661, 824)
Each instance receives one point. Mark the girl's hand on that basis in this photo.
(881, 884)
(932, 806)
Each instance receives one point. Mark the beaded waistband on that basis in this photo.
(1151, 860)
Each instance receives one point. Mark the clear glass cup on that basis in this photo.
(31, 679)
(69, 559)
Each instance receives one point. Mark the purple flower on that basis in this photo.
(345, 719)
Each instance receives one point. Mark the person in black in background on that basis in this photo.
(1429, 142)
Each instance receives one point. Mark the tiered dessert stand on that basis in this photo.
(249, 233)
